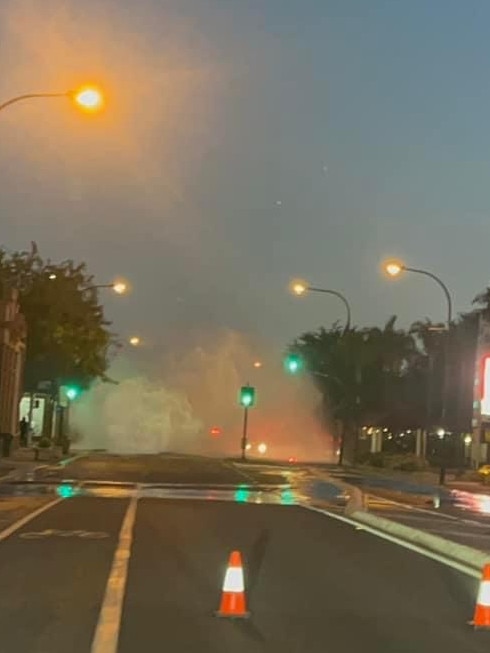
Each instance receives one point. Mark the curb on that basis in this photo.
(473, 558)
(356, 510)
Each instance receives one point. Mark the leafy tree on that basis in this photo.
(67, 336)
(423, 377)
(370, 375)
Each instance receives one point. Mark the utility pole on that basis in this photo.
(244, 433)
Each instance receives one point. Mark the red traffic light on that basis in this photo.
(215, 431)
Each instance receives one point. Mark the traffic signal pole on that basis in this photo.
(244, 434)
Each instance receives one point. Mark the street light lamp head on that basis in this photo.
(258, 364)
(134, 341)
(88, 98)
(119, 287)
(298, 287)
(393, 268)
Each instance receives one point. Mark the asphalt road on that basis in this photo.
(159, 468)
(314, 584)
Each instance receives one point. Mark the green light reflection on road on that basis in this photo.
(287, 498)
(66, 491)
(242, 494)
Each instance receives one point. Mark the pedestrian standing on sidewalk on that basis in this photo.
(24, 431)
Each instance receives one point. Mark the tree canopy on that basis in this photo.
(68, 339)
(402, 379)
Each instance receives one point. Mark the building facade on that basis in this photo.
(13, 333)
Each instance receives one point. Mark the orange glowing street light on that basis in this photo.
(119, 287)
(134, 341)
(87, 98)
(393, 268)
(258, 364)
(298, 288)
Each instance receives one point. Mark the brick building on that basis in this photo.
(12, 355)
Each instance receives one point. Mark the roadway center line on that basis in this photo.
(25, 520)
(109, 624)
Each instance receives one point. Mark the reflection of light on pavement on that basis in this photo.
(242, 494)
(470, 501)
(66, 491)
(287, 498)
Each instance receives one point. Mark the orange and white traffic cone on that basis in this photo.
(482, 609)
(233, 602)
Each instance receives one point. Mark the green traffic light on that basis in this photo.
(72, 392)
(247, 396)
(247, 399)
(293, 363)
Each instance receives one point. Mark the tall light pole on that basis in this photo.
(299, 288)
(395, 269)
(87, 98)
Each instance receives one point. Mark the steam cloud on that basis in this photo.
(175, 410)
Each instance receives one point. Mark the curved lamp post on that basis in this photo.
(87, 98)
(299, 288)
(395, 269)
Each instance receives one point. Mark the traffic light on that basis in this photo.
(72, 392)
(293, 363)
(247, 396)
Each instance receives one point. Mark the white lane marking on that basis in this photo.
(25, 520)
(409, 507)
(40, 535)
(107, 631)
(395, 540)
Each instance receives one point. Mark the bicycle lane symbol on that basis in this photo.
(50, 532)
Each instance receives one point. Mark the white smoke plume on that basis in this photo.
(195, 390)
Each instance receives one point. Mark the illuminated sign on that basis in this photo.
(485, 390)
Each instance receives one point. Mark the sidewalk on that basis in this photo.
(23, 461)
(468, 481)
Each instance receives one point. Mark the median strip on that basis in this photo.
(459, 556)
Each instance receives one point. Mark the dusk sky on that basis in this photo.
(245, 142)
